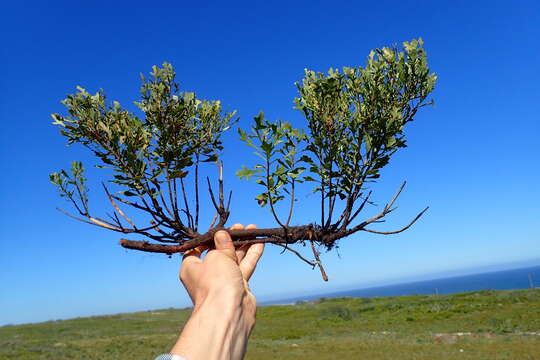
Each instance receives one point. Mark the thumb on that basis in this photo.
(224, 244)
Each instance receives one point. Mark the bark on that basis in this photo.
(292, 235)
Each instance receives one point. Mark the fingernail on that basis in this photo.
(221, 237)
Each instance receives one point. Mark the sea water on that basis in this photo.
(500, 280)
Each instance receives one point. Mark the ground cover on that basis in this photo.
(477, 325)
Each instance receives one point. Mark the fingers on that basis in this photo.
(194, 254)
(191, 262)
(250, 260)
(241, 251)
(224, 244)
(237, 227)
(246, 256)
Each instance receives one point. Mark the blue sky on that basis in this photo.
(473, 158)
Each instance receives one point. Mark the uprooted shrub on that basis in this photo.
(354, 122)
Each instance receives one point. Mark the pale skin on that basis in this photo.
(223, 306)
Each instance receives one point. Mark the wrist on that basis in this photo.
(218, 327)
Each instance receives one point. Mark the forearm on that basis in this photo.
(218, 329)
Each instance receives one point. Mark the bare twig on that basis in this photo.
(93, 221)
(223, 212)
(229, 202)
(117, 208)
(213, 221)
(387, 209)
(220, 179)
(197, 205)
(212, 197)
(360, 208)
(186, 209)
(318, 261)
(158, 188)
(175, 199)
(389, 205)
(270, 201)
(292, 204)
(172, 196)
(400, 230)
(156, 216)
(285, 247)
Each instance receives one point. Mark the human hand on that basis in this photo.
(224, 307)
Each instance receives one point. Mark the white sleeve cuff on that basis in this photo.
(170, 357)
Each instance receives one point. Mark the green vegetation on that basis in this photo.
(154, 161)
(477, 325)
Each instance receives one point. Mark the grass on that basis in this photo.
(479, 325)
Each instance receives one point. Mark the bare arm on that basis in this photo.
(224, 307)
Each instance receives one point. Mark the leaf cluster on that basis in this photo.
(355, 122)
(277, 145)
(178, 130)
(73, 186)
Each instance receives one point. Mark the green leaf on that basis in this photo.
(211, 158)
(267, 148)
(177, 174)
(262, 199)
(246, 173)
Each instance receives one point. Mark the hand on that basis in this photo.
(224, 307)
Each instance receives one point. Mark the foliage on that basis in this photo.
(69, 184)
(355, 121)
(336, 313)
(277, 144)
(178, 132)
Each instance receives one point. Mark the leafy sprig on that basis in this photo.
(277, 144)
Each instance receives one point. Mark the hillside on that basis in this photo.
(477, 325)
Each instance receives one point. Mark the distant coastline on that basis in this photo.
(521, 278)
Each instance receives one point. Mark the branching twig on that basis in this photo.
(400, 230)
(297, 254)
(117, 208)
(360, 208)
(312, 233)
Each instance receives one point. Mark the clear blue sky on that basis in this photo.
(473, 157)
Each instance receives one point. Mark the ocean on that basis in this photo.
(523, 278)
